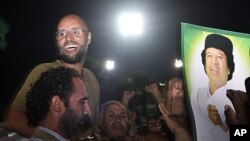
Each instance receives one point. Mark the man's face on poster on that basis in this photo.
(216, 66)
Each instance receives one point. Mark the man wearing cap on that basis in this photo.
(208, 103)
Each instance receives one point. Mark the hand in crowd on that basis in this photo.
(180, 133)
(165, 113)
(240, 102)
(175, 96)
(152, 88)
(175, 88)
(126, 96)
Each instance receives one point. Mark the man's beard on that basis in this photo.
(72, 125)
(79, 57)
(117, 130)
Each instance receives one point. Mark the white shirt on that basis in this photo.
(205, 129)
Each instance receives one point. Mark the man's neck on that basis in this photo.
(213, 88)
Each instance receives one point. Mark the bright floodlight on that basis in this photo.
(110, 64)
(178, 63)
(131, 24)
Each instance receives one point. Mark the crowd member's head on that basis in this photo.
(73, 38)
(58, 100)
(218, 59)
(114, 119)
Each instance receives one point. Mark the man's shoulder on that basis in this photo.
(90, 77)
(88, 72)
(45, 66)
(48, 65)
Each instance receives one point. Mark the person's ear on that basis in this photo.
(57, 104)
(89, 37)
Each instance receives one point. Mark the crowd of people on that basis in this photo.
(60, 101)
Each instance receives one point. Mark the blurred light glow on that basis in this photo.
(131, 24)
(178, 63)
(162, 84)
(110, 64)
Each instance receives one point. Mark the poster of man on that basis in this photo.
(214, 61)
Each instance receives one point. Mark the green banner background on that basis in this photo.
(192, 44)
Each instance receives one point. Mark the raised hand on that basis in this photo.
(175, 88)
(126, 96)
(240, 103)
(153, 89)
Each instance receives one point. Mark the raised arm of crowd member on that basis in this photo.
(180, 133)
(241, 103)
(57, 105)
(126, 96)
(173, 98)
(176, 88)
(72, 40)
(174, 94)
(154, 90)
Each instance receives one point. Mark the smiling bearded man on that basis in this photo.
(72, 40)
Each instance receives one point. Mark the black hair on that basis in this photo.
(55, 81)
(224, 44)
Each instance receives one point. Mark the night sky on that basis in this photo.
(32, 24)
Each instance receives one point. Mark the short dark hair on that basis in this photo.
(55, 81)
(110, 102)
(224, 44)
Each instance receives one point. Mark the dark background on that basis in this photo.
(32, 29)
